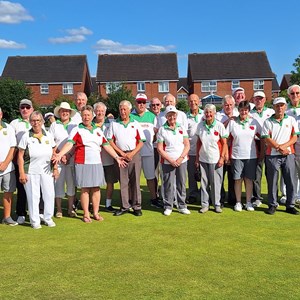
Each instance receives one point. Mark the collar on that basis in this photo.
(196, 117)
(208, 127)
(2, 125)
(84, 127)
(279, 122)
(121, 122)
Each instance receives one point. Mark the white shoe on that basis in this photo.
(50, 223)
(282, 200)
(249, 206)
(184, 211)
(256, 203)
(238, 207)
(38, 226)
(42, 218)
(167, 211)
(21, 220)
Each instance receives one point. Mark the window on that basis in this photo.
(258, 85)
(235, 84)
(209, 86)
(141, 86)
(182, 96)
(112, 87)
(44, 89)
(67, 88)
(163, 87)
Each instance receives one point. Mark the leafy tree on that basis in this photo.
(295, 78)
(182, 105)
(12, 92)
(116, 95)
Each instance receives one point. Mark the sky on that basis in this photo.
(92, 27)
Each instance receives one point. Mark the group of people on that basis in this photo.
(86, 149)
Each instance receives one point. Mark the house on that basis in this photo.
(152, 74)
(275, 88)
(50, 77)
(182, 89)
(220, 73)
(285, 82)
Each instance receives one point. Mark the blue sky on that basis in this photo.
(92, 27)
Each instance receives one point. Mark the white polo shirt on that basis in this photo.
(293, 111)
(126, 136)
(77, 118)
(38, 152)
(193, 122)
(20, 126)
(263, 115)
(222, 117)
(281, 132)
(87, 144)
(297, 144)
(181, 119)
(172, 140)
(148, 122)
(7, 141)
(242, 136)
(210, 137)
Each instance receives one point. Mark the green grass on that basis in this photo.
(247, 255)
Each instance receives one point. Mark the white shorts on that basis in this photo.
(148, 167)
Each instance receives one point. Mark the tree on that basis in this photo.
(12, 92)
(182, 105)
(116, 95)
(295, 78)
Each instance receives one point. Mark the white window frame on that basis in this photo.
(235, 84)
(163, 87)
(182, 96)
(44, 89)
(67, 89)
(209, 86)
(112, 87)
(141, 86)
(258, 85)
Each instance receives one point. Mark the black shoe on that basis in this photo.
(138, 212)
(156, 203)
(110, 209)
(190, 200)
(271, 210)
(121, 212)
(292, 210)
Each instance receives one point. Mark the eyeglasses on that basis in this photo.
(297, 93)
(141, 102)
(155, 104)
(25, 107)
(35, 121)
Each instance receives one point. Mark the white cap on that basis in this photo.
(171, 108)
(141, 96)
(259, 94)
(238, 89)
(279, 100)
(26, 102)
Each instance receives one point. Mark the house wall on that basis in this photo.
(224, 88)
(151, 89)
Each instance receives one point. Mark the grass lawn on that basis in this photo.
(246, 255)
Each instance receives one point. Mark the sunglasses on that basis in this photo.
(25, 107)
(297, 93)
(155, 104)
(141, 102)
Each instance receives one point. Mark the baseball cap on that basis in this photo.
(25, 102)
(48, 115)
(237, 89)
(279, 100)
(259, 94)
(171, 108)
(140, 97)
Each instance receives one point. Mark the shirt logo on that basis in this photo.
(216, 133)
(251, 127)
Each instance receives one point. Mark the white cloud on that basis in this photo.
(80, 31)
(67, 39)
(76, 35)
(11, 45)
(12, 13)
(110, 47)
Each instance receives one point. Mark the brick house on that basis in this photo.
(50, 76)
(285, 82)
(152, 74)
(219, 73)
(182, 89)
(275, 88)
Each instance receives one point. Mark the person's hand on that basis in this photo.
(220, 162)
(23, 178)
(3, 166)
(179, 160)
(122, 162)
(55, 174)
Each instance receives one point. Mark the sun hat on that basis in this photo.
(64, 105)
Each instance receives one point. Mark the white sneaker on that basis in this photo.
(167, 211)
(256, 203)
(50, 223)
(282, 200)
(184, 211)
(38, 226)
(21, 220)
(238, 207)
(249, 206)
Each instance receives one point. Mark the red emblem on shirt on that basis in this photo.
(251, 127)
(180, 131)
(216, 133)
(98, 133)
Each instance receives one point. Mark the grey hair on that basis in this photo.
(228, 97)
(291, 87)
(210, 106)
(37, 114)
(81, 94)
(125, 103)
(87, 107)
(101, 104)
(168, 95)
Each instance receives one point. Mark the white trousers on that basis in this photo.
(33, 187)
